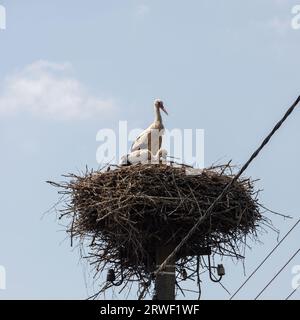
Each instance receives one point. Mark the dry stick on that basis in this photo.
(226, 189)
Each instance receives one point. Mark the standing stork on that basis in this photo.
(151, 138)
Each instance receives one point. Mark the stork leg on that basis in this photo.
(160, 144)
(150, 147)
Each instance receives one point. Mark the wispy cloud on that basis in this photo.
(142, 10)
(48, 89)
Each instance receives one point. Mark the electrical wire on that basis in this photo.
(277, 274)
(264, 260)
(287, 298)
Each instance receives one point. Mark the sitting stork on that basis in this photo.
(151, 138)
(143, 157)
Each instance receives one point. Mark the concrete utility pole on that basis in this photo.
(165, 280)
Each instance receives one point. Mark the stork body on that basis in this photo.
(144, 156)
(151, 138)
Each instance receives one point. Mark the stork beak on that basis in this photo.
(164, 110)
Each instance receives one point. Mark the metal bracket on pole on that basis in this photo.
(220, 270)
(111, 277)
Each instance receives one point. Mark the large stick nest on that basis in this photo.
(127, 212)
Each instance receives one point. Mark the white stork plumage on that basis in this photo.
(143, 157)
(151, 138)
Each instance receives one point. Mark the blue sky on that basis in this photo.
(68, 70)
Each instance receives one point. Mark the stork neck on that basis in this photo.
(157, 115)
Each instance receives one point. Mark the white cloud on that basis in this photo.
(48, 89)
(142, 10)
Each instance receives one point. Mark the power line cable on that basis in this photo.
(277, 274)
(226, 189)
(264, 260)
(287, 298)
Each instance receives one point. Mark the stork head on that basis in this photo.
(160, 105)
